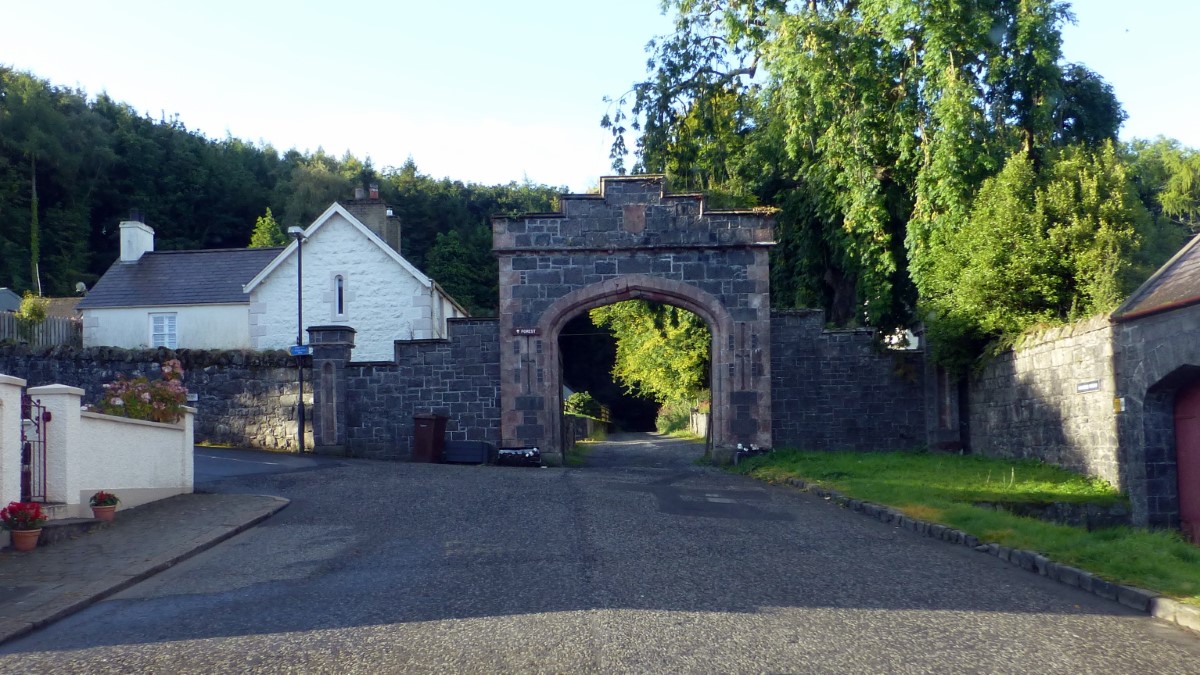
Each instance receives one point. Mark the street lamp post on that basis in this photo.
(297, 233)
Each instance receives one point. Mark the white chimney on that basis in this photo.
(136, 238)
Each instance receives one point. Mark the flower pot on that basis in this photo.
(104, 512)
(25, 540)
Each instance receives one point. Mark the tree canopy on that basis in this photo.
(887, 132)
(72, 167)
(662, 351)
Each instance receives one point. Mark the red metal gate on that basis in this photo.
(34, 420)
(1187, 453)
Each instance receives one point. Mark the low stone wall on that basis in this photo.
(458, 377)
(243, 398)
(837, 390)
(1051, 399)
(577, 428)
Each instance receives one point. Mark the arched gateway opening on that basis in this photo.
(632, 241)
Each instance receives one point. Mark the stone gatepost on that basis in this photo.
(10, 438)
(331, 352)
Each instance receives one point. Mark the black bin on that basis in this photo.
(429, 437)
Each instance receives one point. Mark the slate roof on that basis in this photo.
(66, 308)
(9, 301)
(180, 278)
(1176, 284)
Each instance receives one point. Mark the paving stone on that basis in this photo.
(63, 577)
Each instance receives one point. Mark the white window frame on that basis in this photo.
(168, 335)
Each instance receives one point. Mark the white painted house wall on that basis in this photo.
(11, 389)
(196, 326)
(382, 300)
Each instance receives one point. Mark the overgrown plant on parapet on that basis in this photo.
(140, 398)
(30, 315)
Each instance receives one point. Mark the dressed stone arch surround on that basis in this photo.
(630, 241)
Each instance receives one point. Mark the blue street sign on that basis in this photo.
(300, 350)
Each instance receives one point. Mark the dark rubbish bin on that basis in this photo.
(429, 437)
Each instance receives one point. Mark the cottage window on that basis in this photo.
(162, 330)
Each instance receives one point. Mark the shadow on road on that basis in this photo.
(640, 528)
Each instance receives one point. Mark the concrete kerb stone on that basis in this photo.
(93, 591)
(1140, 599)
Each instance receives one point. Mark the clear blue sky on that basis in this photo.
(481, 91)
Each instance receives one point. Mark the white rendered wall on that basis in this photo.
(196, 326)
(10, 438)
(383, 302)
(139, 461)
(85, 452)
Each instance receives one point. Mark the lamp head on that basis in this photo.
(296, 232)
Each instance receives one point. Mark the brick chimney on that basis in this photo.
(137, 238)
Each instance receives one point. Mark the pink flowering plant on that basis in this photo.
(22, 516)
(141, 399)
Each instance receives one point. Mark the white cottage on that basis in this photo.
(246, 298)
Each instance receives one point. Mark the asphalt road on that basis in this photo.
(640, 561)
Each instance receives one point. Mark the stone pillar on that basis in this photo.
(10, 438)
(331, 352)
(64, 455)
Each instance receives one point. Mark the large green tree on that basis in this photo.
(873, 126)
(662, 351)
(72, 167)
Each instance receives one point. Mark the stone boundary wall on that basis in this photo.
(1051, 399)
(458, 377)
(836, 390)
(244, 398)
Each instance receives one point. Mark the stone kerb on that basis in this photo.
(10, 438)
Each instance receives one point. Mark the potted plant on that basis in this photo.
(24, 520)
(104, 505)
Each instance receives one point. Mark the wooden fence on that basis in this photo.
(52, 332)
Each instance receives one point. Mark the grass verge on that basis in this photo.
(577, 454)
(944, 488)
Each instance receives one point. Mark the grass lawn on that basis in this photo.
(943, 488)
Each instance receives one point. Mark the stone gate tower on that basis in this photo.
(633, 241)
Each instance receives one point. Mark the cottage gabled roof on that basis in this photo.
(1176, 284)
(338, 209)
(205, 277)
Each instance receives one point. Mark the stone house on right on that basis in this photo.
(1156, 365)
(1116, 397)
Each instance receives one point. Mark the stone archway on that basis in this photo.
(634, 241)
(643, 287)
(1159, 462)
